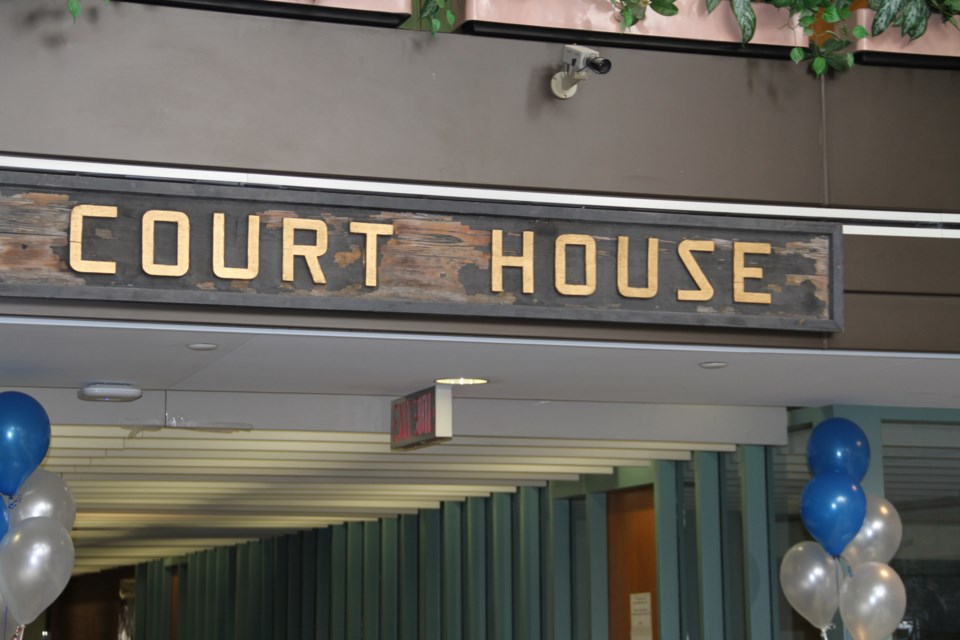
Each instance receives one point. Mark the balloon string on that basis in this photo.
(823, 632)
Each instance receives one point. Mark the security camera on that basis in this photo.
(577, 58)
(577, 61)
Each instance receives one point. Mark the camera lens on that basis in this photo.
(599, 65)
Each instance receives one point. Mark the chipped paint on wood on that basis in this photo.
(430, 263)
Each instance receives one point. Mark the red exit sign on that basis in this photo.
(422, 418)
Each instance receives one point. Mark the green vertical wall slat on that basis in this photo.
(267, 578)
(278, 588)
(756, 543)
(667, 495)
(241, 612)
(254, 589)
(429, 578)
(141, 601)
(197, 599)
(308, 585)
(409, 577)
(558, 572)
(152, 610)
(528, 565)
(183, 597)
(228, 577)
(324, 537)
(371, 580)
(166, 601)
(596, 507)
(708, 488)
(557, 592)
(294, 594)
(338, 582)
(475, 570)
(452, 571)
(389, 579)
(209, 613)
(354, 581)
(500, 586)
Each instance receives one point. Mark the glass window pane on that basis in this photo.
(922, 480)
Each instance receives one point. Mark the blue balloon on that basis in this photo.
(838, 445)
(4, 519)
(24, 439)
(833, 507)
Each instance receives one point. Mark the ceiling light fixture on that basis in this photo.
(203, 346)
(713, 365)
(110, 392)
(461, 381)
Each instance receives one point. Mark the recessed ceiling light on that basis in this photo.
(110, 392)
(202, 346)
(713, 365)
(461, 381)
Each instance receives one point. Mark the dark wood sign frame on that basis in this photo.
(437, 259)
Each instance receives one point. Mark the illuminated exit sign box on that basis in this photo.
(422, 418)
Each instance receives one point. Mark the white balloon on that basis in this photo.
(808, 577)
(36, 560)
(879, 537)
(43, 495)
(872, 601)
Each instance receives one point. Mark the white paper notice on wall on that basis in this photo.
(641, 617)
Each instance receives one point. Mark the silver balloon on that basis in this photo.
(8, 624)
(808, 576)
(43, 495)
(36, 560)
(872, 601)
(879, 537)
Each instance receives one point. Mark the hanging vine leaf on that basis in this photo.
(713, 4)
(886, 10)
(746, 18)
(664, 7)
(819, 65)
(913, 18)
(73, 6)
(429, 8)
(798, 54)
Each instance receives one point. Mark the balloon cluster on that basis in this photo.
(856, 536)
(36, 552)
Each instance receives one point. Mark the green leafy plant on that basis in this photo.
(831, 44)
(431, 11)
(911, 16)
(74, 7)
(633, 11)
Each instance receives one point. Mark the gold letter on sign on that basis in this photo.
(77, 263)
(310, 253)
(742, 272)
(498, 261)
(623, 269)
(150, 266)
(589, 265)
(253, 250)
(686, 249)
(371, 231)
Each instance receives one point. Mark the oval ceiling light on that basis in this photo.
(713, 365)
(461, 381)
(202, 346)
(110, 392)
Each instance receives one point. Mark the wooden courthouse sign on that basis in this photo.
(113, 240)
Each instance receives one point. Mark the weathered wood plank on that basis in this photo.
(660, 268)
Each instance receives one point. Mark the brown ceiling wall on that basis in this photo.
(153, 84)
